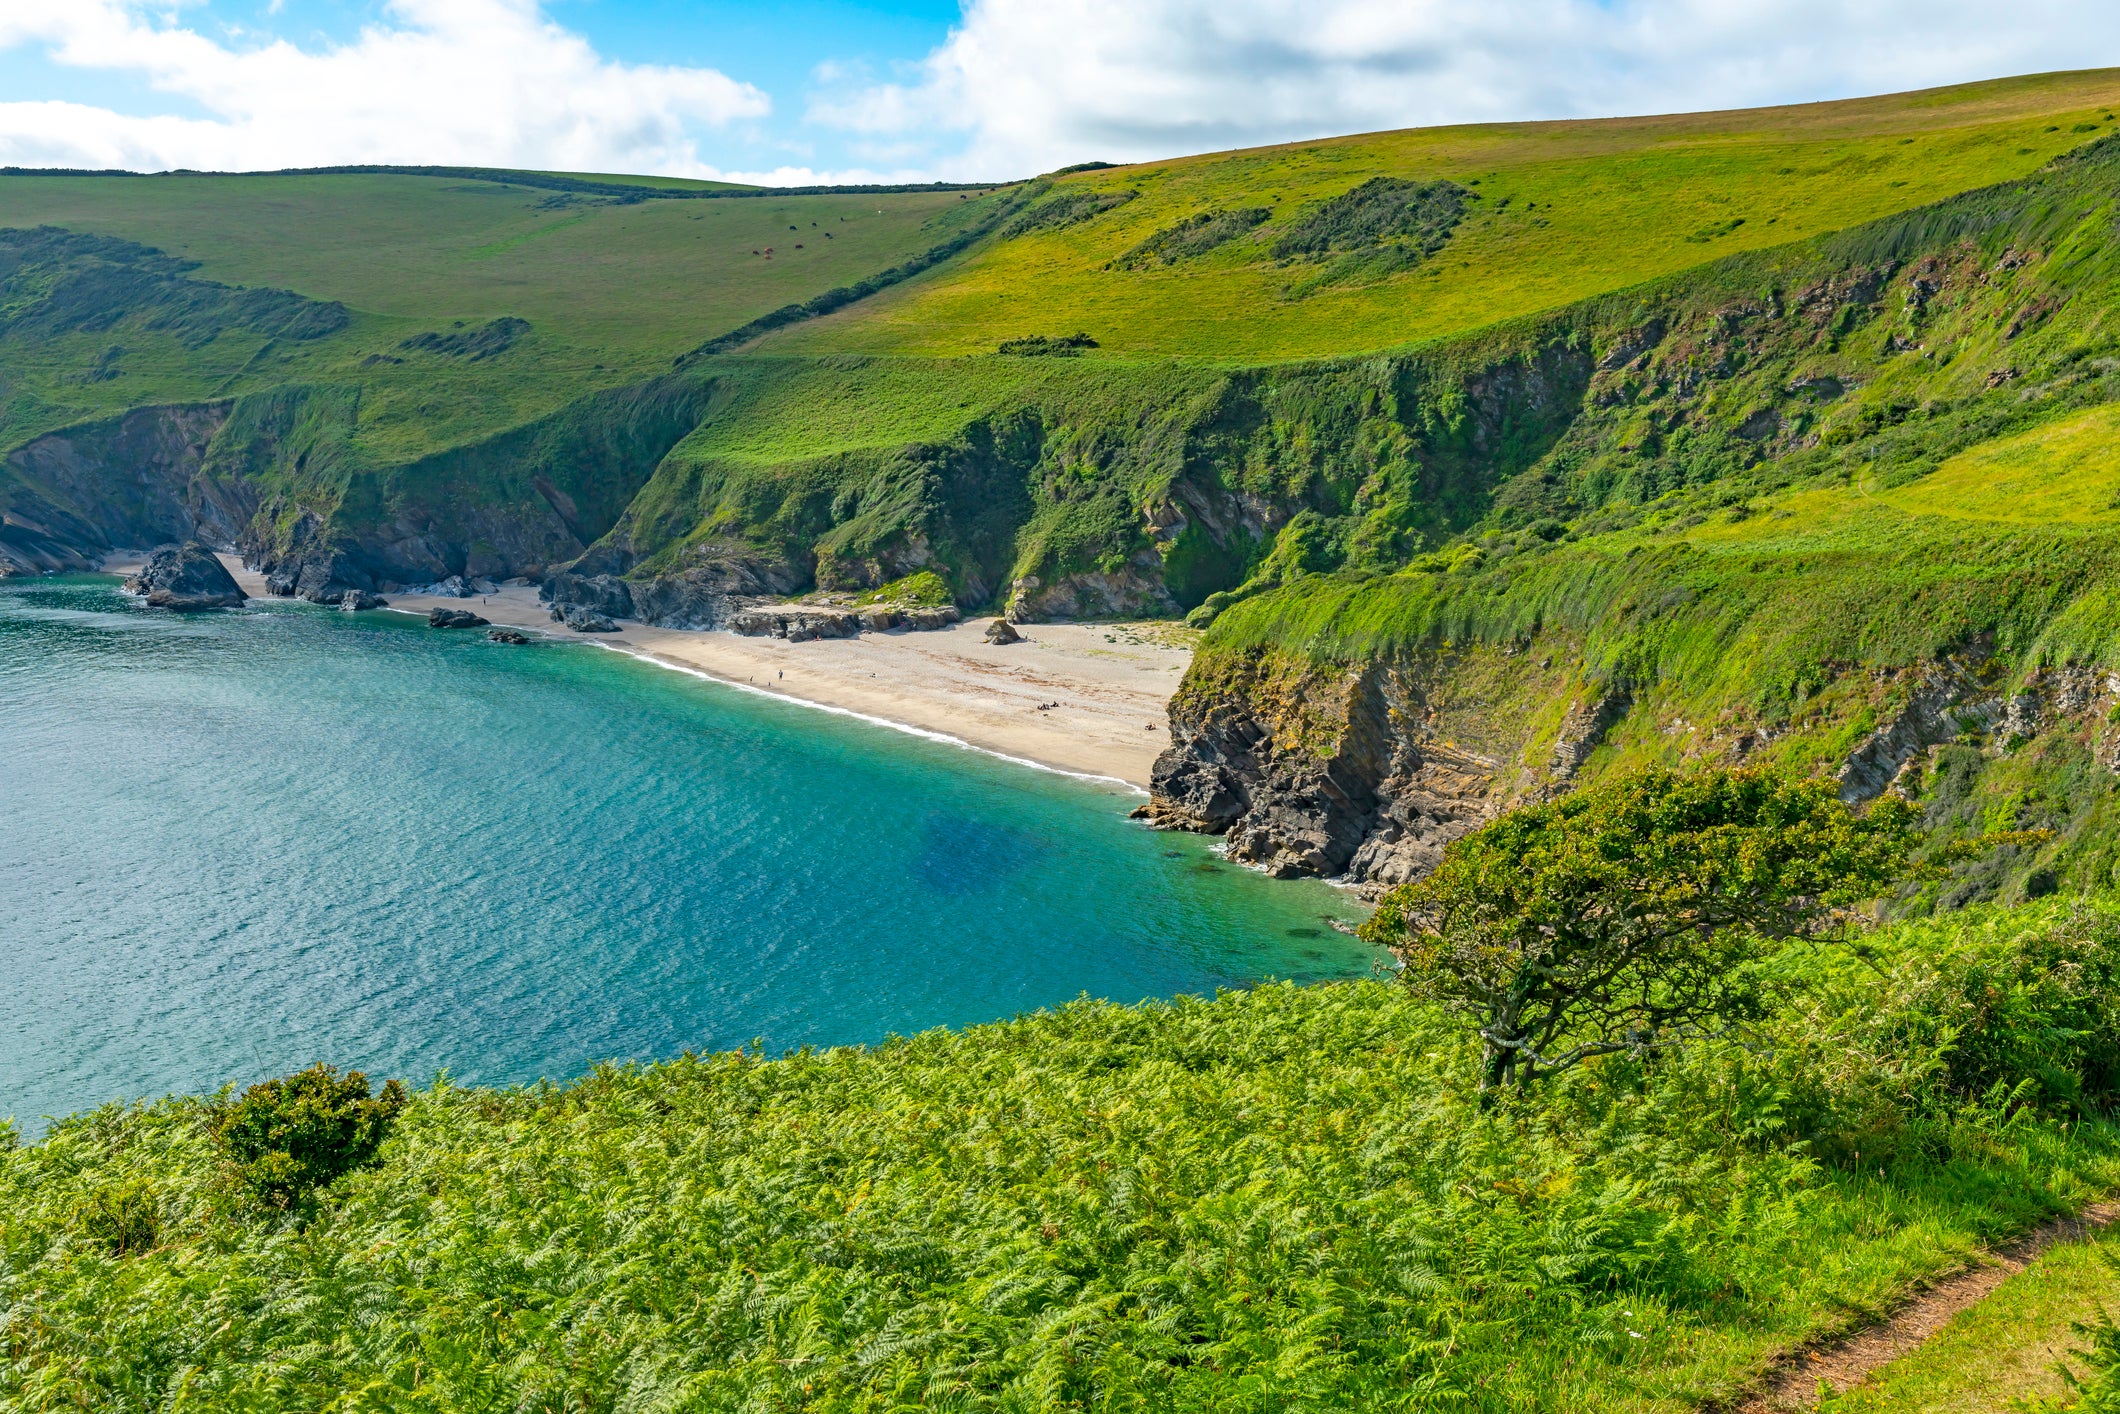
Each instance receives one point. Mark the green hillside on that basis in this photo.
(1554, 213)
(1288, 1199)
(613, 287)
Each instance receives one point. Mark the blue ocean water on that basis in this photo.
(238, 843)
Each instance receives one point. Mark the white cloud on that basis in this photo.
(442, 81)
(1025, 85)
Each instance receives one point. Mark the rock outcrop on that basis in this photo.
(355, 600)
(1002, 632)
(589, 621)
(454, 618)
(508, 635)
(1135, 591)
(186, 577)
(1366, 773)
(605, 594)
(799, 623)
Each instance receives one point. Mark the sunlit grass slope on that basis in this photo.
(1566, 210)
(1286, 1199)
(612, 290)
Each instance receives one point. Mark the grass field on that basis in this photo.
(1282, 1199)
(1566, 211)
(612, 291)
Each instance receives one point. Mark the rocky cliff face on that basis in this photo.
(1364, 774)
(123, 482)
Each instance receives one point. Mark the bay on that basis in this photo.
(237, 843)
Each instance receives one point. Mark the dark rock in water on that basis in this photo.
(507, 635)
(186, 577)
(354, 600)
(606, 594)
(590, 621)
(453, 618)
(1002, 631)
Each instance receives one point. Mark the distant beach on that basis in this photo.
(1089, 699)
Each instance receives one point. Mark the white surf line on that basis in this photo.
(924, 733)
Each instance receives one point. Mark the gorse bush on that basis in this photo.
(1283, 1199)
(290, 1136)
(1193, 237)
(1383, 210)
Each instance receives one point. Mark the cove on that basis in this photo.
(238, 843)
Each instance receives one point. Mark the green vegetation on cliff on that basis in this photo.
(1283, 1199)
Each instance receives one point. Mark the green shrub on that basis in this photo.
(293, 1135)
(124, 1217)
(1628, 916)
(1048, 346)
(1383, 210)
(1193, 237)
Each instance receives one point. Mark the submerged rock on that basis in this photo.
(590, 621)
(1002, 631)
(507, 635)
(454, 618)
(354, 600)
(186, 577)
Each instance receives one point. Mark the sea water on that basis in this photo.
(234, 844)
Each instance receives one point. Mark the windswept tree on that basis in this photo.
(1631, 914)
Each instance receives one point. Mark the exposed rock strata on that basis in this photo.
(1366, 773)
(129, 480)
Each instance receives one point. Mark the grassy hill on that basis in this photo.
(1284, 1199)
(1555, 213)
(612, 287)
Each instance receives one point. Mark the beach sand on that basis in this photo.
(1084, 698)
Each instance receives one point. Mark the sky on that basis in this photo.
(918, 90)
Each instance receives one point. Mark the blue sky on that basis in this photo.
(915, 89)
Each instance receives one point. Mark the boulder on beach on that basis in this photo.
(352, 601)
(590, 621)
(1002, 631)
(507, 635)
(186, 577)
(453, 618)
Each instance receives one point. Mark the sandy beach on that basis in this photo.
(1085, 698)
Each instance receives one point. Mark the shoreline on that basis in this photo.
(1089, 701)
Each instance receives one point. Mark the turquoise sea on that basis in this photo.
(237, 843)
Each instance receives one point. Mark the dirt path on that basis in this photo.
(1847, 1362)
